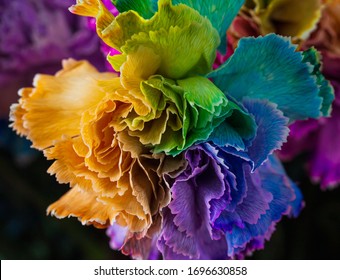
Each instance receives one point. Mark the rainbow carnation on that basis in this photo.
(174, 158)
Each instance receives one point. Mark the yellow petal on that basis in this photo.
(289, 17)
(96, 9)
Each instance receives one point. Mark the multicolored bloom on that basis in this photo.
(169, 133)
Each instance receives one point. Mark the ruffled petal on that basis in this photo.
(273, 181)
(220, 13)
(84, 206)
(187, 230)
(54, 107)
(273, 71)
(272, 130)
(164, 33)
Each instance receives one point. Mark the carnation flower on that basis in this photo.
(296, 19)
(169, 132)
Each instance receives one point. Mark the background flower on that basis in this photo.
(318, 139)
(30, 43)
(314, 138)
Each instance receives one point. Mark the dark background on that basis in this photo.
(26, 232)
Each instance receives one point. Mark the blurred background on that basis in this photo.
(30, 44)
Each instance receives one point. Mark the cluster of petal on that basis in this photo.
(174, 106)
(286, 17)
(314, 137)
(112, 177)
(169, 134)
(318, 138)
(101, 129)
(225, 201)
(232, 191)
(30, 43)
(219, 208)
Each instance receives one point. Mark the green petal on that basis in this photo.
(183, 51)
(186, 112)
(146, 8)
(185, 40)
(326, 91)
(220, 13)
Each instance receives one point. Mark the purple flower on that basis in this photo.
(35, 36)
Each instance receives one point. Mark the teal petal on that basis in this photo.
(238, 131)
(220, 12)
(313, 57)
(270, 68)
(144, 8)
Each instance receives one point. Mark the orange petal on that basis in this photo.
(96, 9)
(84, 206)
(53, 109)
(69, 167)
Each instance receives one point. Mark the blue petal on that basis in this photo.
(237, 131)
(274, 181)
(272, 130)
(270, 68)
